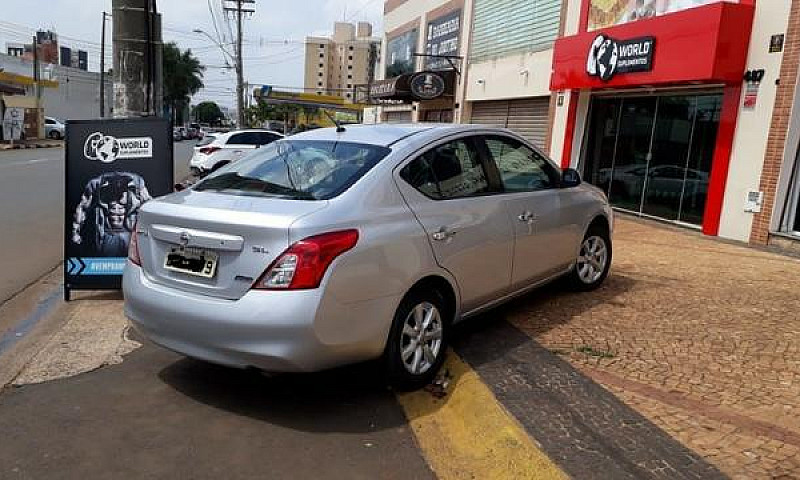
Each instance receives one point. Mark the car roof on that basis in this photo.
(384, 134)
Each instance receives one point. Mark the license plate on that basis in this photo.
(191, 261)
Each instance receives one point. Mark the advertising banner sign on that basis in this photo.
(112, 168)
(443, 39)
(607, 13)
(13, 123)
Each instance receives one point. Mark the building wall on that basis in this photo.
(77, 96)
(781, 145)
(569, 26)
(514, 76)
(753, 126)
(78, 92)
(343, 60)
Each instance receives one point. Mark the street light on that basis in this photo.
(218, 44)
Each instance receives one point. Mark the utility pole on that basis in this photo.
(239, 8)
(138, 53)
(36, 79)
(103, 68)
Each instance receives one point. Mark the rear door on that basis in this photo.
(449, 191)
(532, 199)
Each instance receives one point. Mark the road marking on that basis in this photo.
(469, 435)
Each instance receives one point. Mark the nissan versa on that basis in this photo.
(341, 245)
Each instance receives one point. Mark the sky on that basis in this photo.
(274, 36)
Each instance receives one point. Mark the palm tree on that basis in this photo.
(183, 77)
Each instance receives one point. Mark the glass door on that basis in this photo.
(652, 155)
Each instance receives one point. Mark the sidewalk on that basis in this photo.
(45, 143)
(700, 336)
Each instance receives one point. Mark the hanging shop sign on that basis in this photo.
(442, 40)
(608, 57)
(427, 85)
(112, 168)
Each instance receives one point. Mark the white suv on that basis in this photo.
(225, 148)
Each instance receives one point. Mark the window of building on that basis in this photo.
(349, 67)
(321, 55)
(321, 45)
(349, 77)
(350, 48)
(319, 84)
(528, 26)
(350, 58)
(321, 74)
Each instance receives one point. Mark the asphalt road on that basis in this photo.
(32, 213)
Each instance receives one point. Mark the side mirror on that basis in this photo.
(570, 178)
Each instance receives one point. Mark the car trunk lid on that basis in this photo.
(245, 235)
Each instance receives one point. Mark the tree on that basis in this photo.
(183, 77)
(207, 112)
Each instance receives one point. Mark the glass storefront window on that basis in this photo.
(653, 154)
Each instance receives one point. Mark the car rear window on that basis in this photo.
(206, 140)
(297, 169)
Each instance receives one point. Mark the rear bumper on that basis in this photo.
(278, 331)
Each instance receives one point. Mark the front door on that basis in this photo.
(652, 155)
(448, 190)
(543, 243)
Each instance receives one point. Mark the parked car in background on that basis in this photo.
(54, 128)
(228, 147)
(196, 131)
(328, 248)
(177, 136)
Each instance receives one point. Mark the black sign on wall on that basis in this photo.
(443, 38)
(112, 168)
(608, 57)
(400, 52)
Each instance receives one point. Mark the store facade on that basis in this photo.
(423, 48)
(666, 105)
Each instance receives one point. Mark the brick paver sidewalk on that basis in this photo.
(699, 336)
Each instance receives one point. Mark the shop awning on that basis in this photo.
(707, 44)
(415, 87)
(10, 89)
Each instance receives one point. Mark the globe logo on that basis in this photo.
(603, 58)
(104, 148)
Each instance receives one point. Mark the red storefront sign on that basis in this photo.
(705, 44)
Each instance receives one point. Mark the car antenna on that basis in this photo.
(339, 127)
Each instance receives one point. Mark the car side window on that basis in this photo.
(238, 139)
(265, 138)
(521, 168)
(451, 170)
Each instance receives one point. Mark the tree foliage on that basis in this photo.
(183, 77)
(208, 112)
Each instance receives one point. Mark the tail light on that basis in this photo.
(209, 150)
(133, 246)
(303, 264)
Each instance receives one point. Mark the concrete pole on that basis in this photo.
(239, 66)
(137, 66)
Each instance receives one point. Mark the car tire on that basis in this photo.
(593, 262)
(54, 135)
(414, 351)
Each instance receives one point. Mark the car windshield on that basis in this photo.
(297, 169)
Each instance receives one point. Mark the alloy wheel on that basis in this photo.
(592, 259)
(421, 339)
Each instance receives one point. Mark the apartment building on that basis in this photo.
(335, 65)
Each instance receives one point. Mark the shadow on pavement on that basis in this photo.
(318, 402)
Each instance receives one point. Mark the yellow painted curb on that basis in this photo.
(468, 433)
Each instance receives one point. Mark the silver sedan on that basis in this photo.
(333, 247)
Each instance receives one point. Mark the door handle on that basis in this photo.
(443, 234)
(527, 217)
